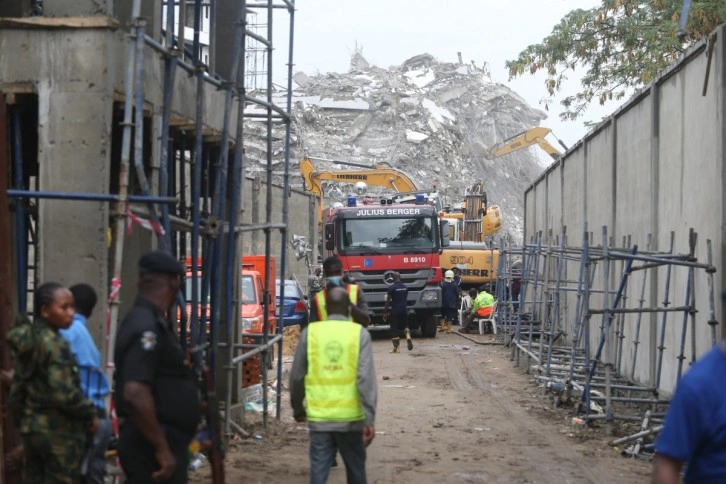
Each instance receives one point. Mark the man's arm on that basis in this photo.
(386, 304)
(139, 370)
(314, 310)
(682, 431)
(64, 391)
(297, 377)
(359, 311)
(142, 410)
(666, 470)
(367, 387)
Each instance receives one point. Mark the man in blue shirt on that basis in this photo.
(93, 380)
(397, 299)
(694, 431)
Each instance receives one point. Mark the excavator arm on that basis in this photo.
(380, 176)
(523, 140)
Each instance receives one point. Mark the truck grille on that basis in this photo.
(372, 281)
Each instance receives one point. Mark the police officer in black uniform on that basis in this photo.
(156, 395)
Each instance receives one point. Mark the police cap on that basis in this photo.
(158, 262)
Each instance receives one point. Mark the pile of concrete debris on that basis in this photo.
(433, 120)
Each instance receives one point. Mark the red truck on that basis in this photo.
(375, 240)
(253, 295)
(252, 283)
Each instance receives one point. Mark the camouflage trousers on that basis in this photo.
(53, 458)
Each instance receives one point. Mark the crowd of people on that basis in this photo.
(59, 394)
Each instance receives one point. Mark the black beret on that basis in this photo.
(159, 262)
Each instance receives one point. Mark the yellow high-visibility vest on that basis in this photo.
(331, 383)
(323, 310)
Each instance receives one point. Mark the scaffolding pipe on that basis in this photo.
(233, 263)
(712, 322)
(661, 345)
(558, 279)
(285, 210)
(260, 349)
(542, 305)
(139, 116)
(636, 436)
(196, 187)
(164, 163)
(618, 295)
(641, 302)
(536, 316)
(123, 184)
(21, 227)
(220, 200)
(268, 219)
(689, 293)
(92, 197)
(620, 325)
(10, 436)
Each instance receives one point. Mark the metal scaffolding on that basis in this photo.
(200, 224)
(553, 320)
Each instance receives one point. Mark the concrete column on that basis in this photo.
(73, 154)
(223, 39)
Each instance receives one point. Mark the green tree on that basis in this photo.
(621, 45)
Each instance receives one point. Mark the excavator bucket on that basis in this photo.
(492, 221)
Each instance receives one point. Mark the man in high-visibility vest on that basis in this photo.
(480, 308)
(333, 270)
(333, 373)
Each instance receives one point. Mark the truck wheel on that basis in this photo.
(428, 326)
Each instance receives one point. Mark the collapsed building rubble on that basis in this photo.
(432, 119)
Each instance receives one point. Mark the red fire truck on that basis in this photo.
(375, 240)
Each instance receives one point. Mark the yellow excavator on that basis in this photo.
(474, 219)
(377, 175)
(523, 140)
(469, 224)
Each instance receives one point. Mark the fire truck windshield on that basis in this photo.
(388, 233)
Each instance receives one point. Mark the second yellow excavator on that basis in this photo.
(474, 219)
(377, 175)
(523, 140)
(469, 224)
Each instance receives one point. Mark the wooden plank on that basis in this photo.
(17, 88)
(120, 97)
(49, 23)
(180, 121)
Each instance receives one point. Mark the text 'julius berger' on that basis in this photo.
(387, 211)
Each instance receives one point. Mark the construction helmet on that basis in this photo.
(449, 274)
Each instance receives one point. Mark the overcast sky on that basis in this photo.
(391, 31)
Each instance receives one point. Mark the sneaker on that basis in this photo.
(396, 349)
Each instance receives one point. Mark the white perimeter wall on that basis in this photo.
(655, 167)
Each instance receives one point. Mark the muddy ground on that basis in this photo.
(449, 411)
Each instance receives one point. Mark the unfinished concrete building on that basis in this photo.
(90, 91)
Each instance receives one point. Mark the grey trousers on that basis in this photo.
(323, 447)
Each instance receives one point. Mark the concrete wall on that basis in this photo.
(75, 103)
(655, 166)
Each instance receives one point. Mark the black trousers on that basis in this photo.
(138, 458)
(399, 323)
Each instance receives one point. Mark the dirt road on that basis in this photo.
(449, 411)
